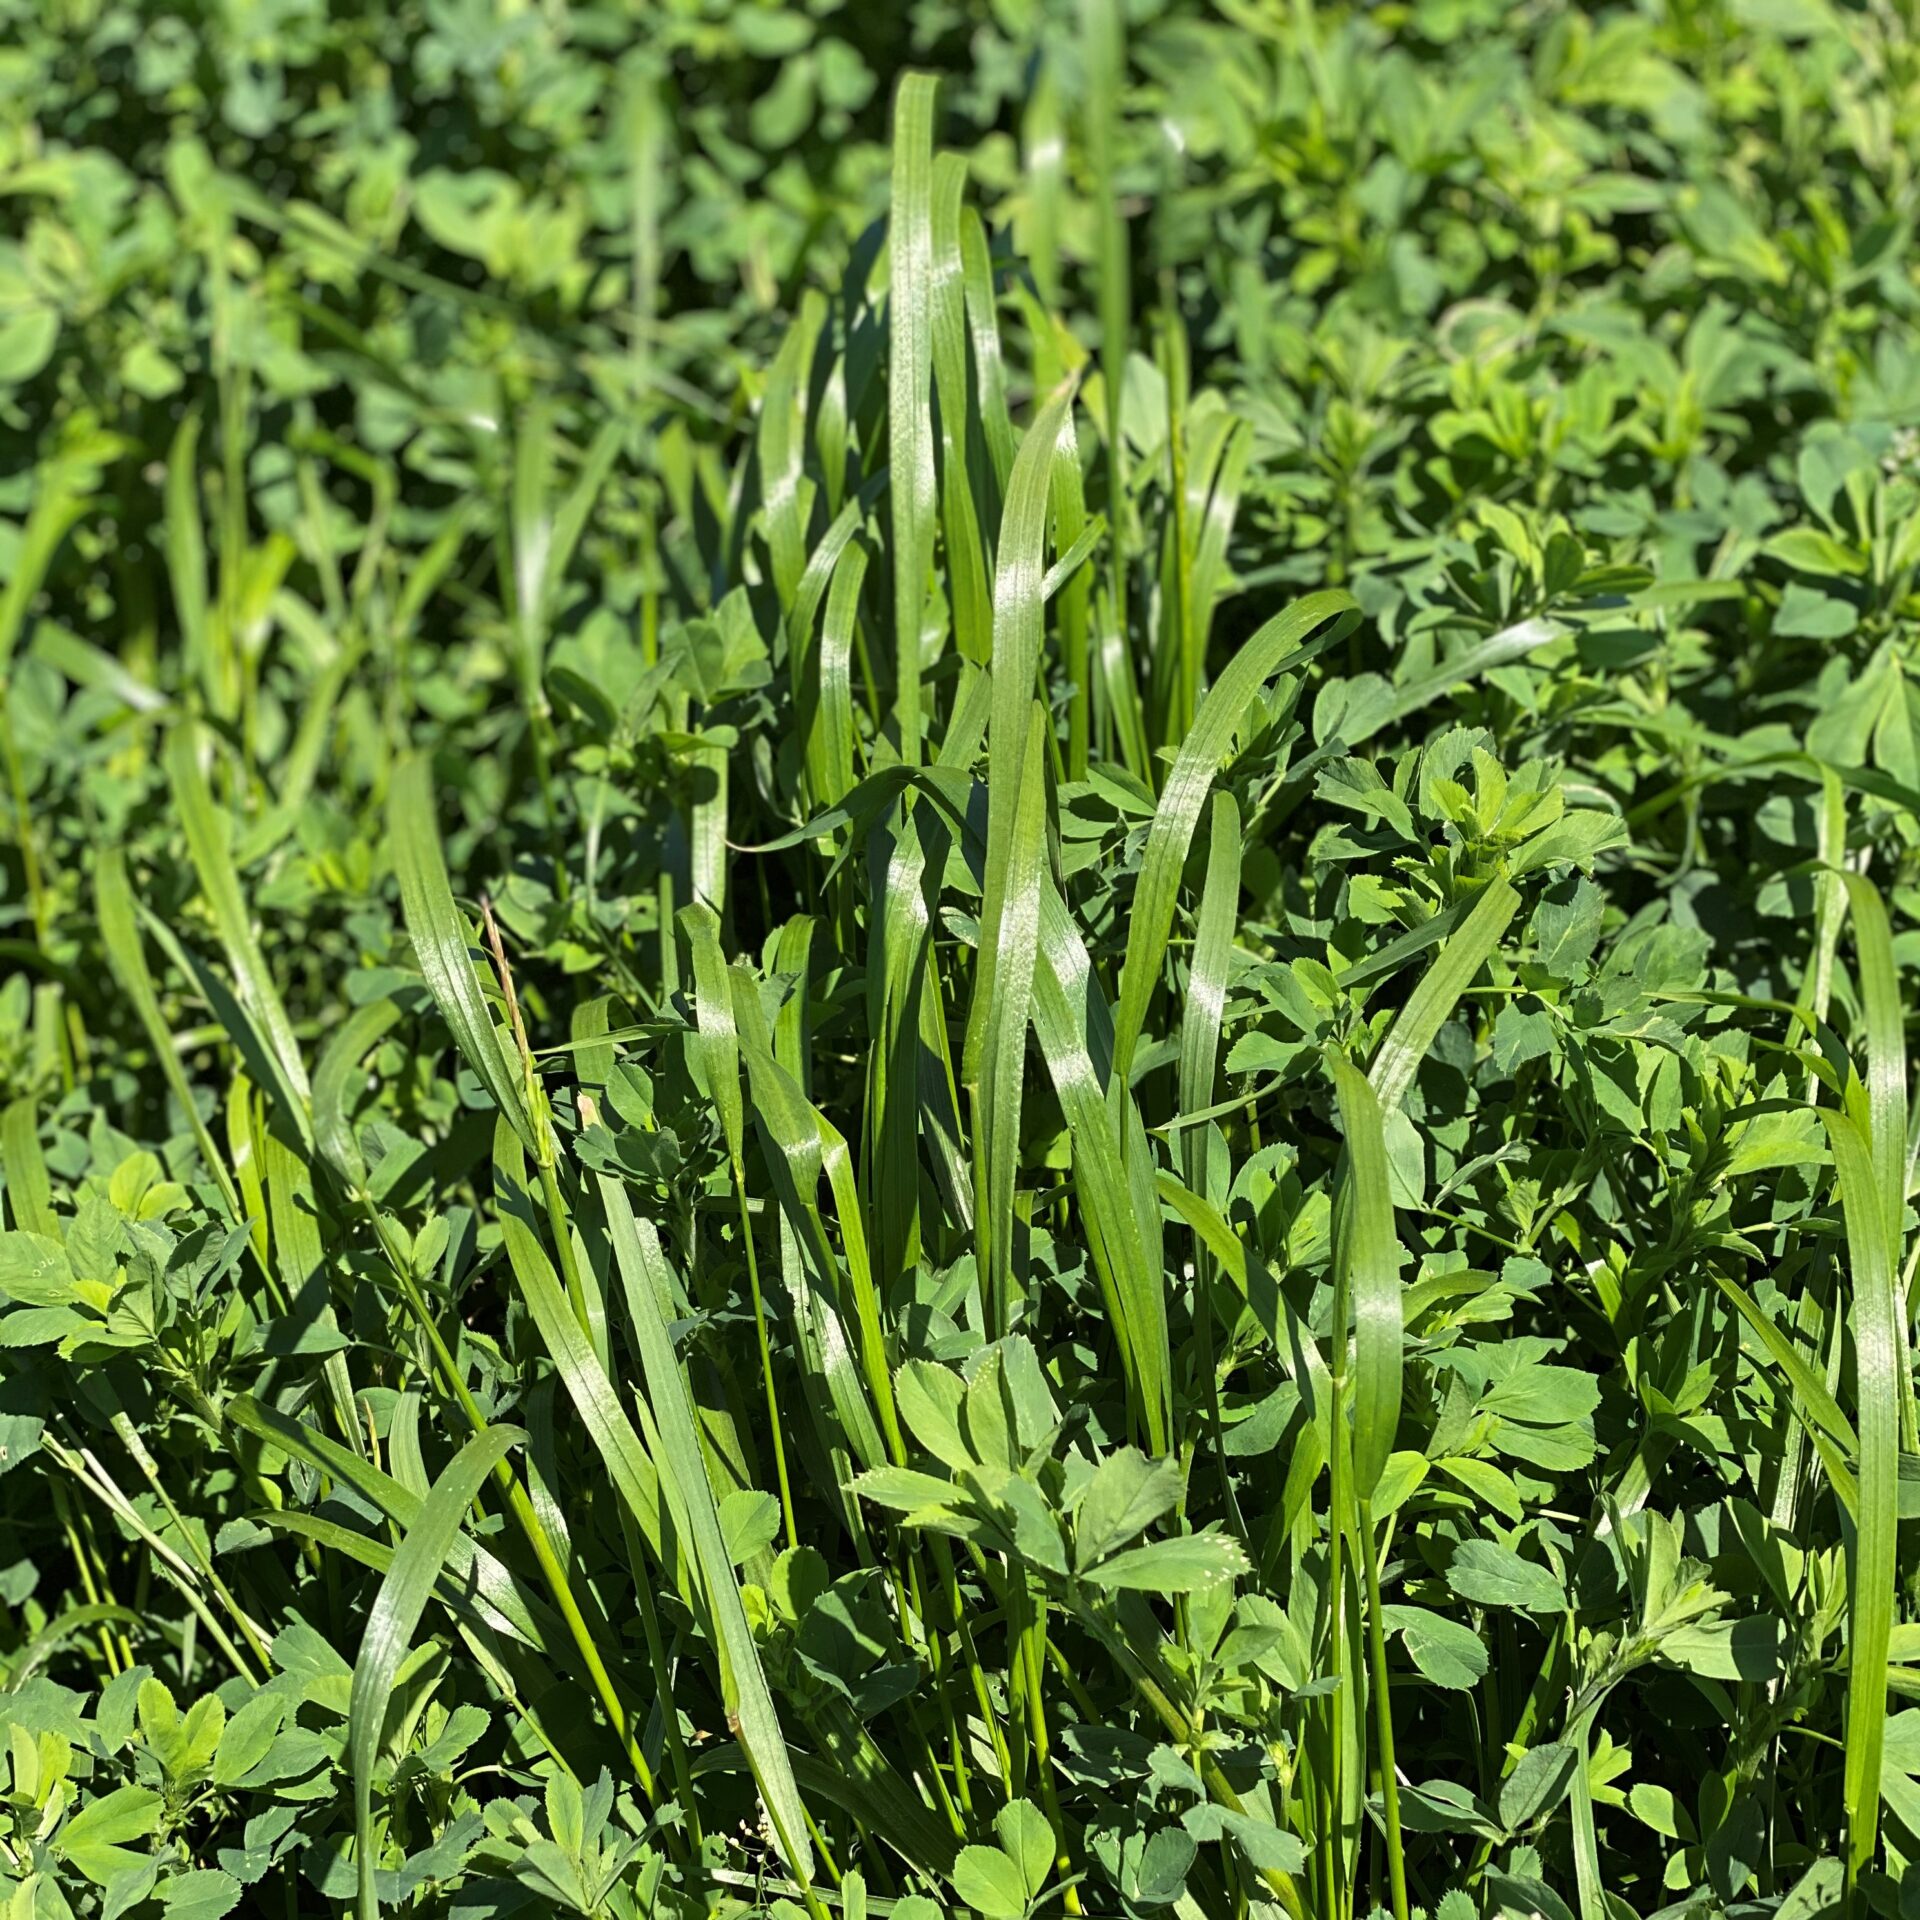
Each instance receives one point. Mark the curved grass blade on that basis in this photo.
(795, 1144)
(898, 944)
(1432, 1002)
(718, 1045)
(396, 1614)
(441, 942)
(1113, 1174)
(1018, 623)
(1069, 1019)
(997, 1022)
(206, 835)
(714, 1040)
(470, 1566)
(628, 1464)
(187, 556)
(831, 739)
(333, 1135)
(1074, 617)
(1282, 643)
(989, 368)
(785, 493)
(1497, 650)
(1200, 1019)
(1221, 505)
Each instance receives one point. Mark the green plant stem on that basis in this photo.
(677, 1756)
(1383, 1715)
(1033, 1640)
(560, 1223)
(1333, 1839)
(774, 1423)
(1280, 1883)
(80, 1463)
(150, 1472)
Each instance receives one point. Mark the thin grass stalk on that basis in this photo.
(552, 1569)
(1383, 1715)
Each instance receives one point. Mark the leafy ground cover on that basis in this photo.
(955, 962)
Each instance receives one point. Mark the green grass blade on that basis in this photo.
(1468, 665)
(186, 538)
(707, 822)
(1066, 1011)
(29, 1187)
(390, 1627)
(1369, 1277)
(782, 438)
(205, 829)
(832, 737)
(467, 1562)
(1811, 1397)
(1202, 1146)
(333, 1135)
(965, 552)
(997, 1020)
(59, 501)
(1871, 1572)
(1019, 611)
(749, 1705)
(299, 1255)
(912, 490)
(1886, 1050)
(1043, 148)
(1207, 969)
(718, 1047)
(1103, 34)
(442, 943)
(1074, 616)
(715, 1042)
(1432, 1002)
(989, 369)
(629, 1466)
(1282, 644)
(1215, 516)
(899, 945)
(576, 510)
(794, 1147)
(999, 1079)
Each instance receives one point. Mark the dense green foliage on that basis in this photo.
(958, 995)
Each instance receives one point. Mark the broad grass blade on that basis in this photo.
(441, 942)
(1371, 1277)
(28, 1185)
(910, 297)
(1871, 1572)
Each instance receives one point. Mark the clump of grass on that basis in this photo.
(973, 1223)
